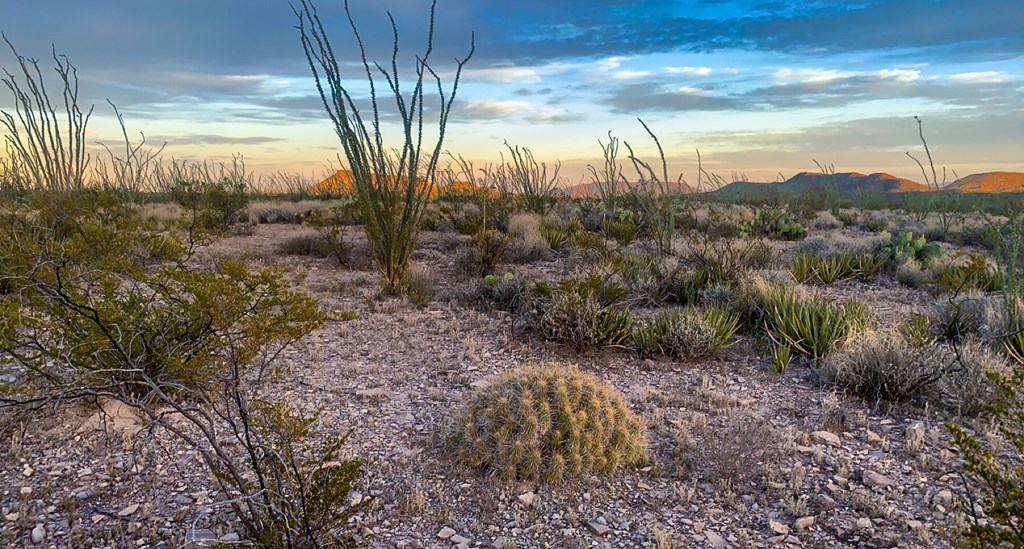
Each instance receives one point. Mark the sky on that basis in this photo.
(762, 89)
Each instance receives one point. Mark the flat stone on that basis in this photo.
(38, 533)
(459, 540)
(914, 525)
(130, 510)
(804, 523)
(445, 533)
(230, 537)
(826, 437)
(372, 393)
(871, 478)
(864, 523)
(597, 528)
(778, 527)
(527, 498)
(716, 540)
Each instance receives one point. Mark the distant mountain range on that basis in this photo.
(853, 183)
(848, 183)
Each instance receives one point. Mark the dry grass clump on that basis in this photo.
(546, 423)
(967, 387)
(970, 314)
(886, 367)
(281, 211)
(735, 453)
(690, 333)
(527, 243)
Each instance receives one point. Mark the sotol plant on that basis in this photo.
(546, 423)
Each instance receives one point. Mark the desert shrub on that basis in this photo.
(735, 454)
(622, 231)
(555, 234)
(808, 323)
(507, 293)
(580, 321)
(211, 205)
(546, 423)
(483, 253)
(329, 225)
(957, 316)
(886, 368)
(419, 286)
(655, 279)
(772, 223)
(527, 243)
(690, 333)
(976, 274)
(588, 244)
(581, 312)
(994, 468)
(911, 275)
(304, 244)
(967, 387)
(172, 341)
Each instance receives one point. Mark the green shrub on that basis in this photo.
(483, 254)
(690, 333)
(546, 423)
(994, 467)
(581, 321)
(507, 293)
(556, 235)
(211, 205)
(976, 274)
(957, 316)
(623, 232)
(773, 224)
(329, 223)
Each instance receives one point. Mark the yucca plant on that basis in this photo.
(812, 326)
(392, 182)
(555, 235)
(689, 333)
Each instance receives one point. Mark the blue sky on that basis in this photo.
(760, 87)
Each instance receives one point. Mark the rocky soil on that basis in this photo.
(739, 455)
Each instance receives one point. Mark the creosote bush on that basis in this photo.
(546, 423)
(886, 368)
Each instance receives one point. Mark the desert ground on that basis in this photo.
(738, 454)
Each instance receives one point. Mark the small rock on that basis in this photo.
(872, 478)
(527, 498)
(643, 486)
(459, 540)
(38, 533)
(182, 499)
(230, 537)
(873, 437)
(826, 437)
(503, 543)
(778, 527)
(914, 525)
(27, 471)
(445, 533)
(597, 528)
(804, 523)
(943, 498)
(82, 495)
(11, 517)
(26, 490)
(864, 523)
(127, 511)
(372, 393)
(716, 540)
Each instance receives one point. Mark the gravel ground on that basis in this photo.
(739, 456)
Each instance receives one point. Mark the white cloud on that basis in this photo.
(611, 63)
(630, 75)
(810, 76)
(695, 71)
(516, 75)
(901, 75)
(983, 77)
(690, 90)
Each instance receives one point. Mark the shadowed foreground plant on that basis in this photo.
(97, 305)
(392, 181)
(546, 423)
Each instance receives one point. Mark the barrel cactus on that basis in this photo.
(546, 423)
